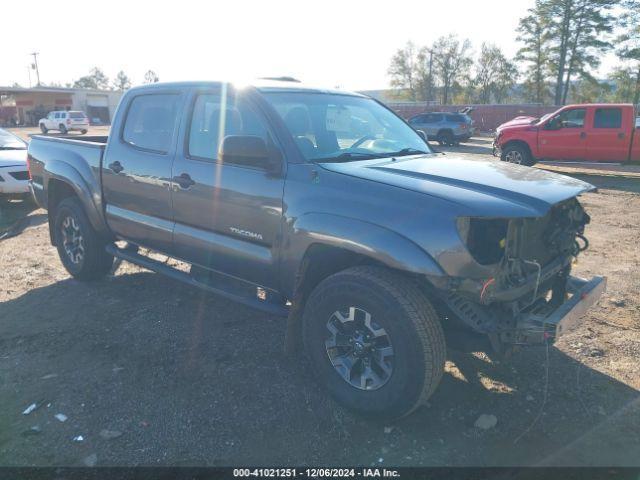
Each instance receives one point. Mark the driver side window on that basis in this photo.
(571, 118)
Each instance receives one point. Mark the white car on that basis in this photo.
(14, 175)
(65, 121)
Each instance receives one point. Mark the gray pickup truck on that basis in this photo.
(328, 209)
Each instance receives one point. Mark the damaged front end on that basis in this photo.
(530, 297)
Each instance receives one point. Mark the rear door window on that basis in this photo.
(151, 122)
(607, 118)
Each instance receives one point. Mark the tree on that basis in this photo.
(625, 81)
(576, 31)
(590, 90)
(402, 70)
(151, 77)
(451, 61)
(629, 49)
(534, 54)
(95, 80)
(410, 72)
(122, 81)
(495, 75)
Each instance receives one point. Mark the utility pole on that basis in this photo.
(35, 64)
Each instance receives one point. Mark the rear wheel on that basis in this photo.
(517, 154)
(63, 129)
(375, 341)
(80, 248)
(43, 129)
(446, 138)
(83, 131)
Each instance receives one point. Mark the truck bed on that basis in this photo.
(71, 157)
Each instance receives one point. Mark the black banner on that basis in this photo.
(405, 473)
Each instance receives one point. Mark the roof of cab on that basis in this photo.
(261, 84)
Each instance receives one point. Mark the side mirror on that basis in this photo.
(249, 151)
(553, 124)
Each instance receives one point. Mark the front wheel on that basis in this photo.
(83, 131)
(80, 248)
(375, 341)
(63, 129)
(517, 154)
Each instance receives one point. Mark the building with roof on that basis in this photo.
(25, 106)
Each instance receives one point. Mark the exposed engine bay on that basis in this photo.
(531, 260)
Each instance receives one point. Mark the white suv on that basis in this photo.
(65, 122)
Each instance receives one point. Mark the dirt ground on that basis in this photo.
(151, 372)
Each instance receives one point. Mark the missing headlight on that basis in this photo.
(485, 238)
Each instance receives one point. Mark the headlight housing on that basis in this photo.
(485, 238)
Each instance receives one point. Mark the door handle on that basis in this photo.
(583, 134)
(621, 135)
(116, 167)
(184, 180)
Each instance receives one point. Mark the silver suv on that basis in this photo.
(445, 128)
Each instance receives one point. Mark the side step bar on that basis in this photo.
(159, 267)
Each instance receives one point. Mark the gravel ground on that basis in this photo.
(151, 372)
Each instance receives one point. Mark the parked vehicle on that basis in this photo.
(14, 176)
(327, 208)
(598, 132)
(65, 121)
(445, 128)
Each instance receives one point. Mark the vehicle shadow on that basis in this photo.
(476, 146)
(15, 216)
(192, 379)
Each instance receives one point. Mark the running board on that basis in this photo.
(160, 267)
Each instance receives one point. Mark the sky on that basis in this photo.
(333, 43)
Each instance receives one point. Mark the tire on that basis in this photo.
(446, 138)
(84, 131)
(43, 129)
(80, 248)
(401, 317)
(517, 154)
(63, 129)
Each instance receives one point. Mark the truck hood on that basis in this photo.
(10, 158)
(482, 187)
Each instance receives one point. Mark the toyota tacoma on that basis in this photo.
(328, 209)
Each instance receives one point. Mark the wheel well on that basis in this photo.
(57, 191)
(322, 261)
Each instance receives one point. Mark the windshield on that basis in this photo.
(330, 127)
(9, 141)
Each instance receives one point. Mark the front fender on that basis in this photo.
(370, 240)
(90, 195)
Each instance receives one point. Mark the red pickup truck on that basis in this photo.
(595, 132)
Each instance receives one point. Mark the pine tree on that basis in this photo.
(629, 46)
(534, 53)
(577, 31)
